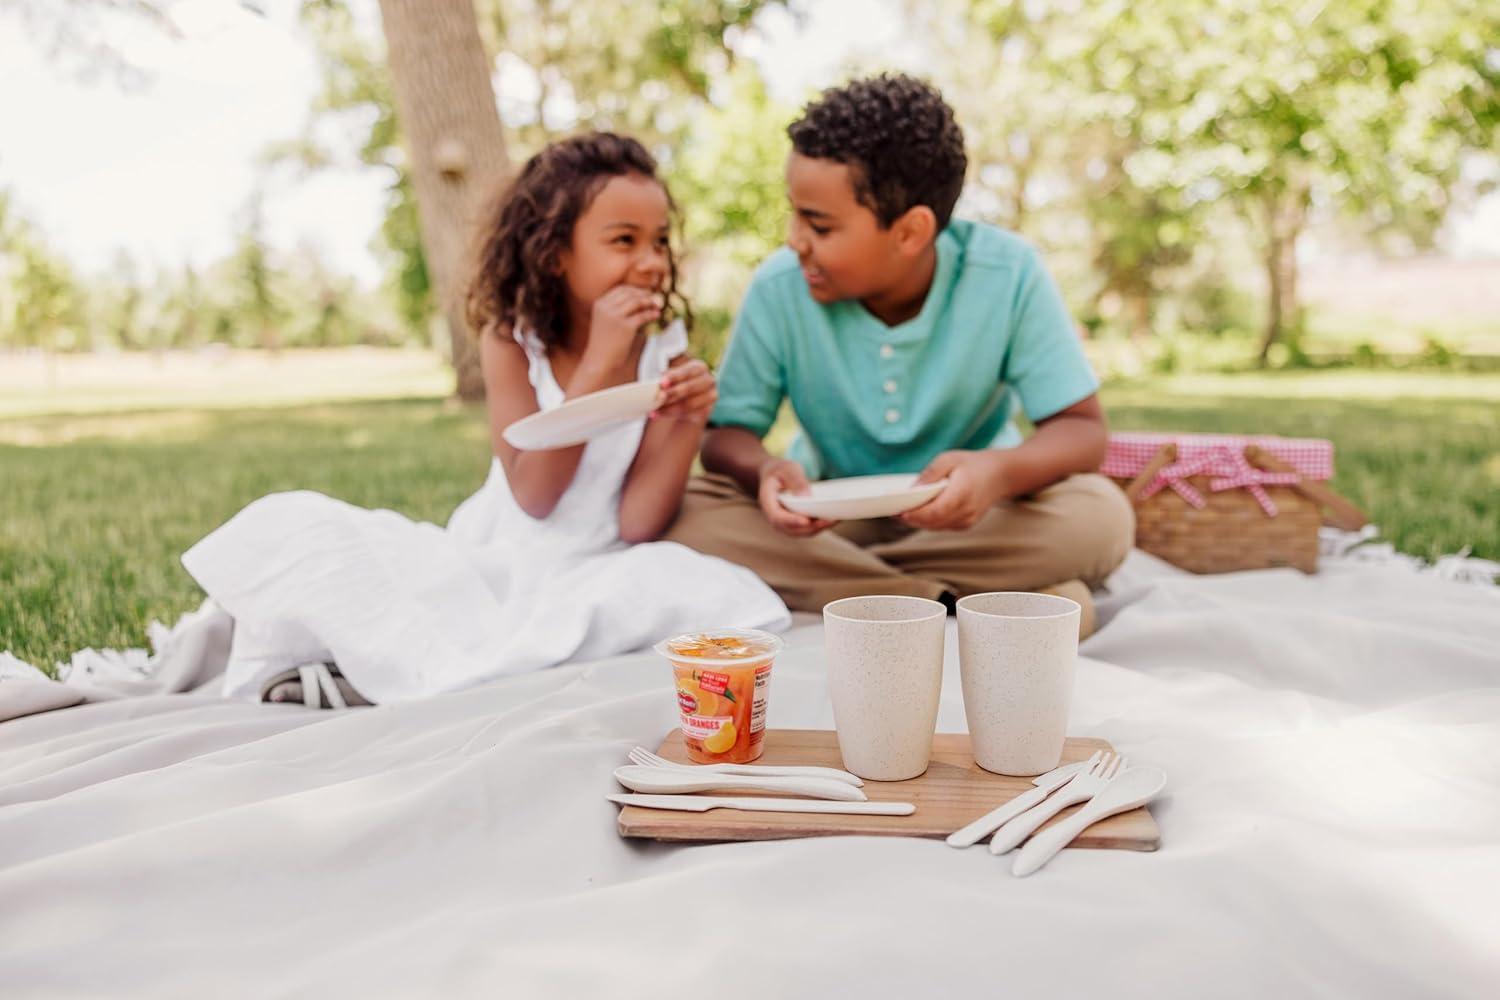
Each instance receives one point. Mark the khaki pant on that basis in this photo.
(1080, 528)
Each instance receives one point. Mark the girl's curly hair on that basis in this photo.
(517, 280)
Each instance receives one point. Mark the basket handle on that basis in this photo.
(1165, 456)
(1339, 512)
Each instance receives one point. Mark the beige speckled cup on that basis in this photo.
(1016, 655)
(885, 673)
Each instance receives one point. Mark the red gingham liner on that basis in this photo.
(1220, 456)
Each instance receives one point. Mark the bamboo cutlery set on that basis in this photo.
(834, 801)
(1015, 777)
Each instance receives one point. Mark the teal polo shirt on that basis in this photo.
(993, 337)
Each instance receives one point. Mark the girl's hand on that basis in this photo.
(974, 479)
(688, 392)
(616, 321)
(783, 474)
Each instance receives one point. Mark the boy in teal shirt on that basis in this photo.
(905, 341)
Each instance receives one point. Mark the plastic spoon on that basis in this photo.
(1129, 789)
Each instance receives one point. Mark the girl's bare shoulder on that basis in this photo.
(506, 367)
(500, 347)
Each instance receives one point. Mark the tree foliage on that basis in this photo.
(256, 296)
(1283, 111)
(1169, 156)
(643, 68)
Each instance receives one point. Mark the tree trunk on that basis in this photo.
(445, 103)
(1291, 305)
(1022, 169)
(1138, 307)
(1273, 298)
(1284, 219)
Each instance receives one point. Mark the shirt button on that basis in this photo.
(890, 385)
(887, 351)
(892, 415)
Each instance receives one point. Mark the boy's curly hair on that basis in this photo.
(899, 138)
(517, 279)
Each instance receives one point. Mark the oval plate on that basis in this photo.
(862, 496)
(582, 419)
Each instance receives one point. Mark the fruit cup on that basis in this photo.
(723, 679)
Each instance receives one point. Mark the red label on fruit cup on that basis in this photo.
(713, 682)
(686, 702)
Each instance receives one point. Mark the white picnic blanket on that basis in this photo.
(1333, 829)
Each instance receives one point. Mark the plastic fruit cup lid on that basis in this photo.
(721, 647)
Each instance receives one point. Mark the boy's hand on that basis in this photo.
(973, 488)
(783, 474)
(616, 320)
(688, 392)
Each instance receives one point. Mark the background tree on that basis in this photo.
(257, 300)
(41, 301)
(184, 309)
(647, 68)
(638, 66)
(1288, 110)
(1168, 158)
(727, 181)
(1048, 147)
(440, 80)
(121, 305)
(354, 110)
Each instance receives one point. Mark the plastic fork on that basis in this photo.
(1045, 784)
(640, 755)
(1129, 790)
(1084, 786)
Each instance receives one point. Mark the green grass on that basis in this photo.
(95, 512)
(95, 509)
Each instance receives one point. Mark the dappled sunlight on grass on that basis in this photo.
(214, 378)
(1492, 469)
(171, 425)
(1341, 384)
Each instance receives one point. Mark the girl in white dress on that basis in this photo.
(554, 559)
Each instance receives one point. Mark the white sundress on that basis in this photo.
(407, 609)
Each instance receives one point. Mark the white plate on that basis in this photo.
(862, 496)
(582, 419)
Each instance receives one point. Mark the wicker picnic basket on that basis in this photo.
(1213, 503)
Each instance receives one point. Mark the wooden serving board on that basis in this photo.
(953, 792)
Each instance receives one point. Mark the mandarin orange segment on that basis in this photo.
(723, 740)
